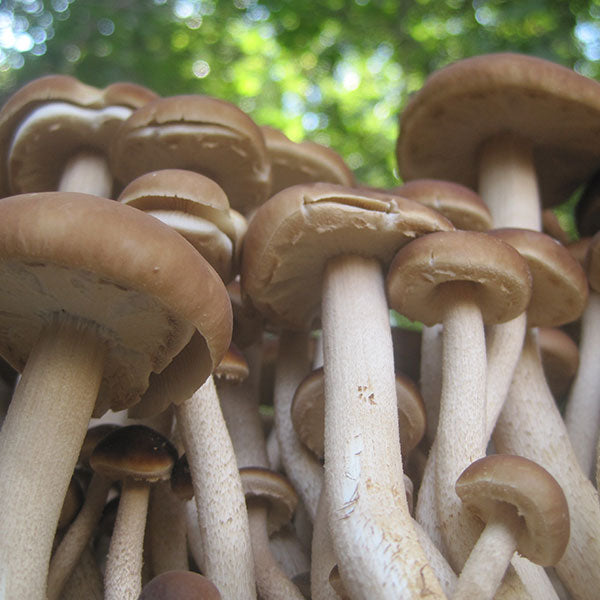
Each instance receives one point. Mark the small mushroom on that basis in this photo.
(524, 509)
(180, 585)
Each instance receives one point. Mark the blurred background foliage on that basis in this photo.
(334, 71)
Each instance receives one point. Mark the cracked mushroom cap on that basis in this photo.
(461, 205)
(105, 264)
(560, 287)
(274, 489)
(499, 275)
(134, 452)
(461, 106)
(501, 479)
(195, 206)
(293, 163)
(292, 236)
(308, 412)
(52, 118)
(197, 133)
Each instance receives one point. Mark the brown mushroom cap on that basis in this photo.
(500, 276)
(535, 494)
(560, 359)
(105, 264)
(92, 438)
(195, 206)
(233, 367)
(134, 452)
(53, 117)
(461, 106)
(197, 133)
(302, 162)
(461, 205)
(180, 585)
(181, 479)
(272, 487)
(592, 263)
(560, 287)
(293, 235)
(308, 412)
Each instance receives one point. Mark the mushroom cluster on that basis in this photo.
(204, 393)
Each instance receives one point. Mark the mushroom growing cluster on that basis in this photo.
(192, 300)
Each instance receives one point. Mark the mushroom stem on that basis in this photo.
(462, 415)
(508, 182)
(301, 467)
(271, 582)
(377, 547)
(39, 444)
(218, 493)
(487, 563)
(87, 172)
(67, 554)
(123, 575)
(582, 416)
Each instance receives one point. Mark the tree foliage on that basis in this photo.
(335, 71)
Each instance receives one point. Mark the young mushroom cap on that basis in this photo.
(308, 412)
(197, 133)
(180, 585)
(50, 119)
(105, 264)
(295, 233)
(501, 279)
(560, 358)
(461, 106)
(302, 162)
(233, 367)
(460, 204)
(560, 288)
(272, 487)
(134, 452)
(500, 480)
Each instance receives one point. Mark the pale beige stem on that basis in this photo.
(271, 582)
(431, 377)
(218, 493)
(483, 571)
(39, 444)
(531, 426)
(508, 182)
(123, 575)
(301, 467)
(323, 557)
(80, 532)
(89, 173)
(462, 417)
(85, 580)
(378, 552)
(582, 415)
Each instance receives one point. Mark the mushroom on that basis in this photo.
(55, 133)
(90, 306)
(560, 359)
(462, 279)
(180, 585)
(197, 133)
(523, 508)
(137, 456)
(302, 162)
(319, 249)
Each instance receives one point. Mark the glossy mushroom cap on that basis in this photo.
(308, 412)
(180, 585)
(459, 204)
(134, 452)
(499, 276)
(105, 264)
(536, 496)
(293, 163)
(91, 440)
(560, 288)
(460, 107)
(196, 133)
(274, 489)
(293, 235)
(233, 368)
(195, 206)
(50, 119)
